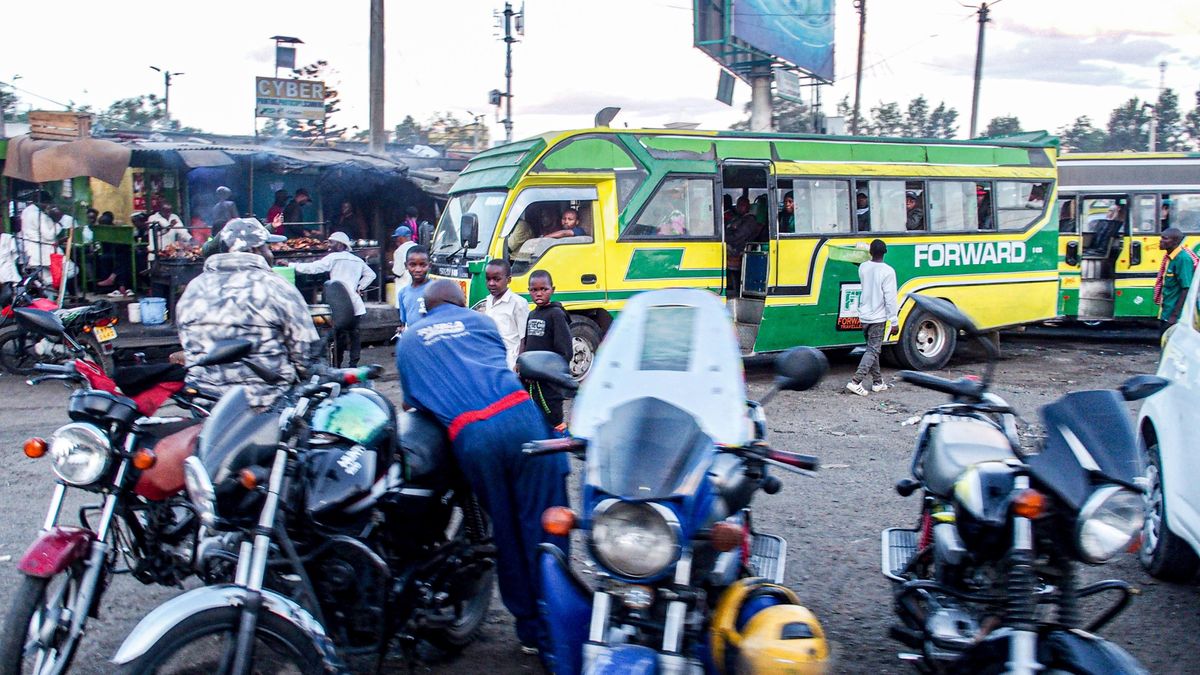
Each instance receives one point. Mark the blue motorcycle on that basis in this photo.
(675, 454)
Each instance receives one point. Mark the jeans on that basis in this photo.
(869, 365)
(349, 340)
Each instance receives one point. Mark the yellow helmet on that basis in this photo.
(760, 627)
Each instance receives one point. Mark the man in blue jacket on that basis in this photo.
(452, 364)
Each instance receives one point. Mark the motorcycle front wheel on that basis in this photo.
(471, 526)
(16, 352)
(204, 644)
(37, 632)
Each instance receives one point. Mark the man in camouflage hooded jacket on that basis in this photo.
(239, 296)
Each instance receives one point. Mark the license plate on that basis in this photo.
(105, 333)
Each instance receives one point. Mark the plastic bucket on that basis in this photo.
(154, 311)
(135, 312)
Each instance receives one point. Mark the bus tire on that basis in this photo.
(925, 342)
(585, 340)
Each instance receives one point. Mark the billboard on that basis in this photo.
(289, 99)
(797, 31)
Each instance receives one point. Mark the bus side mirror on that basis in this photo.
(1072, 257)
(468, 229)
(1135, 253)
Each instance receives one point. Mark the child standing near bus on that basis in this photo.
(547, 329)
(506, 308)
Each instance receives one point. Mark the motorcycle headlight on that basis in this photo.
(635, 539)
(79, 453)
(1107, 523)
(200, 490)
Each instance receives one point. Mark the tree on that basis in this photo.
(943, 122)
(410, 132)
(1005, 124)
(1169, 131)
(446, 129)
(1082, 136)
(273, 128)
(1192, 122)
(1129, 127)
(916, 118)
(846, 109)
(786, 117)
(313, 129)
(886, 120)
(8, 106)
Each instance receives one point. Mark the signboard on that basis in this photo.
(289, 99)
(847, 318)
(799, 32)
(787, 86)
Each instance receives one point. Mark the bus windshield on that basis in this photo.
(485, 205)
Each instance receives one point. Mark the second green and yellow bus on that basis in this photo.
(969, 221)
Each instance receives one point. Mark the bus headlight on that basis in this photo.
(200, 490)
(635, 539)
(1107, 523)
(79, 453)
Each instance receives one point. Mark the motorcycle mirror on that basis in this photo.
(546, 367)
(946, 312)
(468, 228)
(800, 368)
(225, 351)
(40, 321)
(341, 305)
(1142, 386)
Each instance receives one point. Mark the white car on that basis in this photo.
(1171, 533)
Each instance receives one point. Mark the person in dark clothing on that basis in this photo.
(547, 329)
(293, 215)
(453, 365)
(223, 211)
(915, 213)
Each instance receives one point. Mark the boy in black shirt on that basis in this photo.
(547, 329)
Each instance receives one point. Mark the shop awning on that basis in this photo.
(39, 161)
(196, 159)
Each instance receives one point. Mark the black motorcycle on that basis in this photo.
(90, 333)
(339, 529)
(987, 581)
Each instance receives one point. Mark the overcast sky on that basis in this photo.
(1046, 61)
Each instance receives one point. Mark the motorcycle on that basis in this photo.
(1002, 527)
(111, 447)
(675, 454)
(24, 293)
(337, 528)
(90, 332)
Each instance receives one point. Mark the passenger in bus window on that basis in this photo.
(787, 217)
(915, 216)
(570, 226)
(983, 202)
(1066, 216)
(727, 204)
(863, 211)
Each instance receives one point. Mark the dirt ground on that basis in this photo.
(832, 521)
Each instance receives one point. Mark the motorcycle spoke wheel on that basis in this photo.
(16, 353)
(37, 638)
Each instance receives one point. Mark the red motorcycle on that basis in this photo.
(90, 331)
(143, 526)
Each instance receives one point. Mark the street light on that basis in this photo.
(476, 128)
(167, 75)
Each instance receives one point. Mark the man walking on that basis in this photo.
(1174, 277)
(877, 306)
(349, 270)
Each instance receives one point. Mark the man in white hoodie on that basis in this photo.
(877, 307)
(349, 270)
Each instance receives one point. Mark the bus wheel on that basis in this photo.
(585, 339)
(925, 342)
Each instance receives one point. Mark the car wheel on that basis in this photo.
(585, 340)
(1163, 554)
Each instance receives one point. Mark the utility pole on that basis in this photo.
(167, 75)
(378, 134)
(1162, 84)
(510, 18)
(861, 6)
(983, 19)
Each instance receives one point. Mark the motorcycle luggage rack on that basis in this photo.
(768, 556)
(899, 548)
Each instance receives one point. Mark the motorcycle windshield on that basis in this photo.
(649, 449)
(1089, 439)
(235, 436)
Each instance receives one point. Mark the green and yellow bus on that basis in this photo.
(1112, 207)
(981, 231)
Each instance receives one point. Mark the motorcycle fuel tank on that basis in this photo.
(358, 415)
(335, 478)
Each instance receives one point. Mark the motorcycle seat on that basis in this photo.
(423, 445)
(956, 444)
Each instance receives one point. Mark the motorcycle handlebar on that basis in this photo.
(961, 387)
(805, 462)
(553, 446)
(54, 368)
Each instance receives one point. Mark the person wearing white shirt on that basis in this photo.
(167, 227)
(403, 238)
(877, 306)
(509, 310)
(39, 239)
(349, 270)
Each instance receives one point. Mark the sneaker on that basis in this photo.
(529, 650)
(855, 388)
(116, 294)
(129, 294)
(882, 386)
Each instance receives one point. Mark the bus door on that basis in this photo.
(1138, 264)
(1103, 230)
(751, 224)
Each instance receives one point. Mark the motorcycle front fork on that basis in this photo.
(1022, 646)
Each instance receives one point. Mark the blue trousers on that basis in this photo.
(515, 489)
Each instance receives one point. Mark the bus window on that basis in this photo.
(1019, 204)
(546, 224)
(953, 206)
(1094, 211)
(820, 206)
(1183, 212)
(1145, 214)
(680, 208)
(1066, 215)
(896, 205)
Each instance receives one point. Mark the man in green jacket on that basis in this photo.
(1174, 276)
